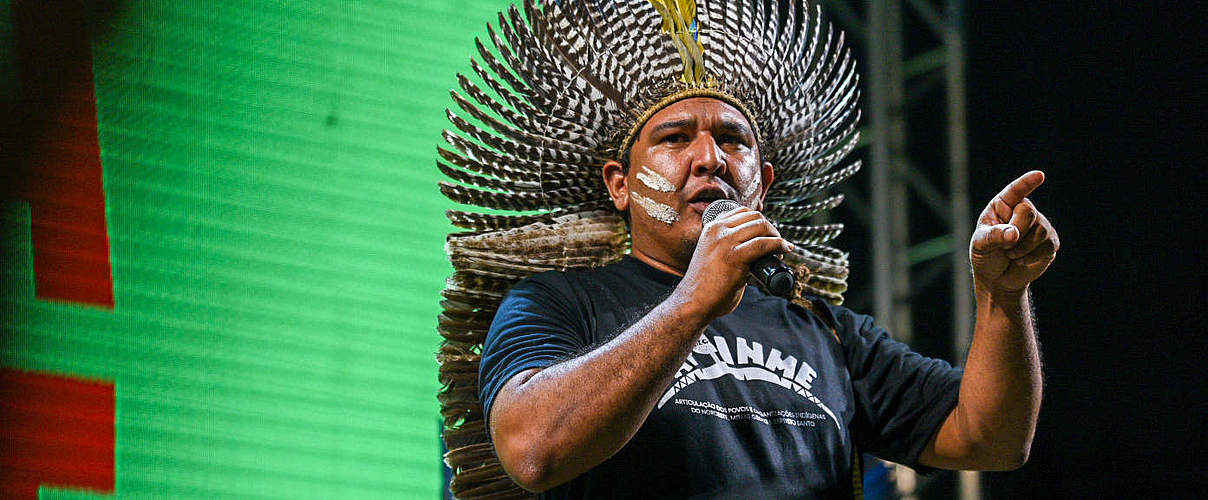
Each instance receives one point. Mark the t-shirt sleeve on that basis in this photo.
(902, 398)
(536, 326)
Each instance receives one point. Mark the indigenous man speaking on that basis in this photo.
(661, 372)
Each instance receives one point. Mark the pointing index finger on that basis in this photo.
(1020, 188)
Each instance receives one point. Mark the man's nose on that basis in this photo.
(707, 156)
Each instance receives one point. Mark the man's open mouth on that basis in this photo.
(707, 195)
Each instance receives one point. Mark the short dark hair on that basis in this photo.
(624, 159)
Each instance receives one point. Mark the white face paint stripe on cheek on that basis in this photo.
(655, 209)
(752, 188)
(655, 181)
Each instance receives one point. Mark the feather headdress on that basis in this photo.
(561, 88)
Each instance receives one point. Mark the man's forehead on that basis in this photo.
(692, 111)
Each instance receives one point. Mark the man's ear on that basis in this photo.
(616, 181)
(767, 176)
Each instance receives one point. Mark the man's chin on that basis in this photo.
(687, 247)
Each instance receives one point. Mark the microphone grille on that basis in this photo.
(716, 208)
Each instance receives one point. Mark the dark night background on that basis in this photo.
(1100, 96)
(1108, 99)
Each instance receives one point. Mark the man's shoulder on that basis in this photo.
(565, 285)
(838, 316)
(806, 305)
(839, 322)
(575, 278)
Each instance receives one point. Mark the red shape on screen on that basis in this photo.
(55, 431)
(60, 168)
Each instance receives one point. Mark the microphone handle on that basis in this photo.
(775, 277)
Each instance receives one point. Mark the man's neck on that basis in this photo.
(657, 263)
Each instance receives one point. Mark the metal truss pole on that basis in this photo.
(890, 237)
(893, 177)
(969, 487)
(888, 143)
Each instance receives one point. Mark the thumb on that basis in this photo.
(987, 239)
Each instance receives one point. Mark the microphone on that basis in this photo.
(768, 270)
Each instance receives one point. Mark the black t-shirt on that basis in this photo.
(768, 405)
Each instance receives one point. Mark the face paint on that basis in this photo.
(655, 181)
(751, 190)
(655, 209)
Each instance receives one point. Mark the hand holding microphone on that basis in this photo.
(731, 240)
(769, 270)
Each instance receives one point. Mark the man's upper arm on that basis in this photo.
(536, 326)
(902, 398)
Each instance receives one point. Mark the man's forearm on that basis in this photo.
(555, 424)
(993, 424)
(1001, 390)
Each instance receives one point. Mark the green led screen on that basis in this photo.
(265, 189)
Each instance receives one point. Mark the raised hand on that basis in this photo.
(1013, 243)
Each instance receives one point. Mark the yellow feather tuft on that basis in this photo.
(679, 21)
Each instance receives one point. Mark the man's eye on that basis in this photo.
(730, 139)
(676, 138)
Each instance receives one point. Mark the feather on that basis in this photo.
(809, 235)
(496, 222)
(507, 163)
(793, 213)
(573, 47)
(510, 130)
(820, 157)
(520, 201)
(497, 66)
(482, 181)
(495, 169)
(809, 186)
(528, 116)
(547, 151)
(490, 222)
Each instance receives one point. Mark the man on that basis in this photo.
(666, 375)
(553, 424)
